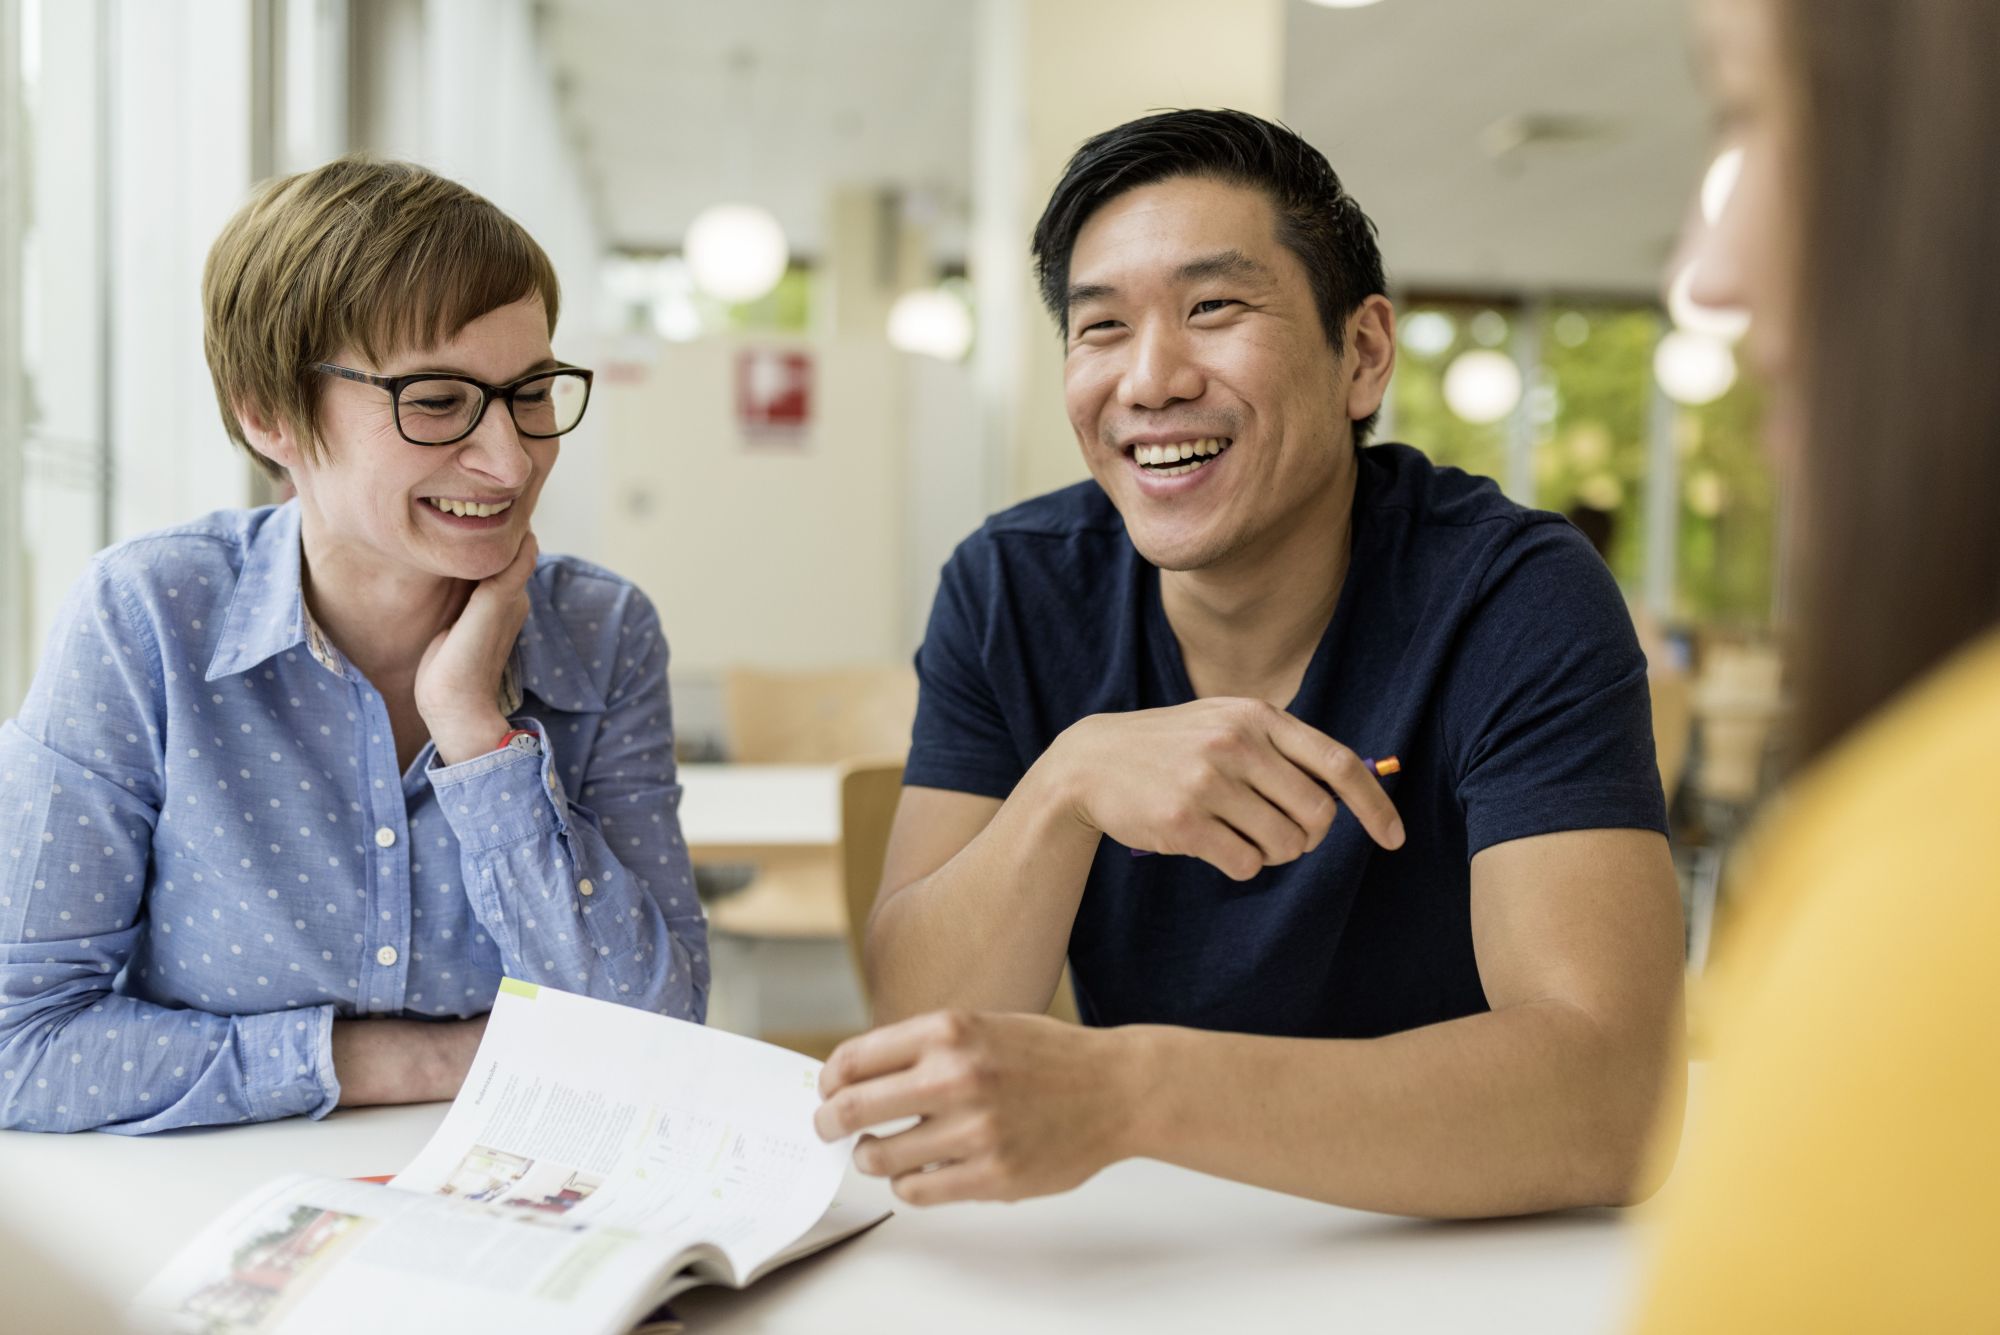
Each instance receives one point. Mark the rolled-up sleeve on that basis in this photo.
(81, 776)
(590, 892)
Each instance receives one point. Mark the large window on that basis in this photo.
(1434, 335)
(129, 132)
(1727, 544)
(1593, 424)
(13, 213)
(1558, 401)
(57, 452)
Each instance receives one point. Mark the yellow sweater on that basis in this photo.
(1842, 1169)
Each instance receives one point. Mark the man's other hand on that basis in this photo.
(1007, 1105)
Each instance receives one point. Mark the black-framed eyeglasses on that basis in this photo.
(440, 408)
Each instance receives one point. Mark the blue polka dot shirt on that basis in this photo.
(208, 852)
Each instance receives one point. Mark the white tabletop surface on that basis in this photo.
(1143, 1247)
(747, 806)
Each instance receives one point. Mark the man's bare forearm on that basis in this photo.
(1536, 1107)
(988, 930)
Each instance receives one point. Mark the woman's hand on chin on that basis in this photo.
(458, 679)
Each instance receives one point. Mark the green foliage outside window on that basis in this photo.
(1422, 417)
(1727, 556)
(1593, 448)
(1590, 402)
(656, 294)
(786, 308)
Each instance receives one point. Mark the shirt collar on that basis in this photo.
(268, 615)
(267, 611)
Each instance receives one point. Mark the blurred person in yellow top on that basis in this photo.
(1842, 1169)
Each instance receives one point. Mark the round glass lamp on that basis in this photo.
(736, 252)
(931, 322)
(1694, 369)
(1482, 386)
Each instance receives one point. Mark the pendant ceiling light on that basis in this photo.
(1482, 386)
(1694, 369)
(932, 322)
(737, 251)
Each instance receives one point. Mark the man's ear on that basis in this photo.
(269, 436)
(1371, 354)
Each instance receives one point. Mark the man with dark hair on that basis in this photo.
(1145, 699)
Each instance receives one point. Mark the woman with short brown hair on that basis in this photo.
(296, 786)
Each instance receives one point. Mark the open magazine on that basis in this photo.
(597, 1161)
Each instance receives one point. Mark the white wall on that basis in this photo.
(762, 554)
(1061, 72)
(944, 462)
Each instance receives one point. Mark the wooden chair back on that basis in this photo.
(1738, 699)
(818, 718)
(1673, 726)
(869, 792)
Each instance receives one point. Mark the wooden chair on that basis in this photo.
(807, 718)
(869, 791)
(1738, 701)
(818, 718)
(801, 718)
(1673, 726)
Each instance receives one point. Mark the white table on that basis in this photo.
(785, 821)
(744, 813)
(1143, 1247)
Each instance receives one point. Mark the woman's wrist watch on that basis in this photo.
(522, 740)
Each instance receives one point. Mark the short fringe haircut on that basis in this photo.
(360, 253)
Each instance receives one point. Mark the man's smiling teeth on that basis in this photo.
(467, 509)
(1167, 460)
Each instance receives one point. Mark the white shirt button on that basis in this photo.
(585, 888)
(386, 956)
(385, 837)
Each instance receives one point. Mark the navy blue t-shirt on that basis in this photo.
(1483, 643)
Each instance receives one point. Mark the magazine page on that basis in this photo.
(319, 1256)
(842, 1220)
(594, 1114)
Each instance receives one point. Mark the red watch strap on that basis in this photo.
(507, 739)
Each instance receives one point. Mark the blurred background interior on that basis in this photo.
(792, 237)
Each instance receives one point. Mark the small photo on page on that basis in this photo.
(278, 1261)
(543, 1191)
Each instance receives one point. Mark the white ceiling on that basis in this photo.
(1400, 96)
(837, 92)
